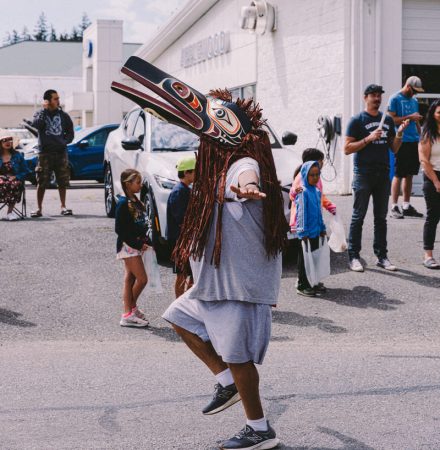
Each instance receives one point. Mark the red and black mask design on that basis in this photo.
(225, 122)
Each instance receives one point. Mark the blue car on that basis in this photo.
(86, 154)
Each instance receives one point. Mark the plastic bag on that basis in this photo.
(337, 241)
(154, 285)
(317, 262)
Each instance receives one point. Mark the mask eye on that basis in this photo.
(220, 113)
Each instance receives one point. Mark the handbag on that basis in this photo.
(316, 262)
(154, 285)
(337, 241)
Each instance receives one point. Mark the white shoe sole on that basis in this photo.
(360, 269)
(390, 269)
(266, 445)
(232, 401)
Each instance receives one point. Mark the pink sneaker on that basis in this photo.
(133, 321)
(139, 313)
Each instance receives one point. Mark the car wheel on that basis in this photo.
(160, 245)
(109, 199)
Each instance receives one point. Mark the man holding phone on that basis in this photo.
(55, 131)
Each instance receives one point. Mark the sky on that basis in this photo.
(141, 17)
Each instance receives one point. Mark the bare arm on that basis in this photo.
(424, 157)
(351, 145)
(397, 141)
(415, 117)
(248, 186)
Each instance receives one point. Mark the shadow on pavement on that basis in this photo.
(165, 333)
(411, 276)
(12, 318)
(361, 297)
(292, 318)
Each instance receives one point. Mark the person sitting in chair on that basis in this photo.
(13, 171)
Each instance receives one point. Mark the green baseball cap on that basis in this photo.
(188, 163)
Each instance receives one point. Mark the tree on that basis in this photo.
(25, 36)
(41, 30)
(75, 35)
(7, 39)
(15, 37)
(85, 23)
(52, 34)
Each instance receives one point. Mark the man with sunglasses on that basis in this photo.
(402, 106)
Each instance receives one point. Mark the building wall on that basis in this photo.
(301, 69)
(235, 68)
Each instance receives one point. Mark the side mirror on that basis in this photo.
(84, 143)
(289, 138)
(132, 143)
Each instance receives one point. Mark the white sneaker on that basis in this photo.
(12, 216)
(133, 321)
(139, 313)
(355, 265)
(385, 264)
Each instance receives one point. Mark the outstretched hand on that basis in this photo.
(251, 193)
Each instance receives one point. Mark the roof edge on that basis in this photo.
(174, 28)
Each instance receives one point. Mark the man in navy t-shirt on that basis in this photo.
(369, 140)
(403, 106)
(176, 209)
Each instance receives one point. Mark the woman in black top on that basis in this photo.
(131, 228)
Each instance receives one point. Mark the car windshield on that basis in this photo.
(171, 138)
(81, 134)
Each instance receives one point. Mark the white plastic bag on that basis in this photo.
(316, 263)
(337, 241)
(154, 285)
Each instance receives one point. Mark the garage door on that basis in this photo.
(421, 32)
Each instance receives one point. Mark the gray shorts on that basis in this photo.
(238, 331)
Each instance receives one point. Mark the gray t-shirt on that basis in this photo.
(245, 272)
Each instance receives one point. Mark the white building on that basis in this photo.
(29, 68)
(315, 59)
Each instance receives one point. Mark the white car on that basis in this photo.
(153, 147)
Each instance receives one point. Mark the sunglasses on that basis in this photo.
(8, 139)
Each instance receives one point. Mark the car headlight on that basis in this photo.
(165, 183)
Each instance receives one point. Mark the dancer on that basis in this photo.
(131, 228)
(429, 154)
(233, 233)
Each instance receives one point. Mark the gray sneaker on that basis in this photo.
(396, 213)
(356, 265)
(385, 264)
(249, 439)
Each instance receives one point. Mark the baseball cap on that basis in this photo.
(415, 83)
(188, 163)
(372, 88)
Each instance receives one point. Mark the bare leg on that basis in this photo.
(179, 286)
(127, 293)
(428, 254)
(62, 192)
(407, 188)
(247, 381)
(203, 350)
(395, 190)
(40, 196)
(136, 267)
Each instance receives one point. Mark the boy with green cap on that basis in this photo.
(176, 209)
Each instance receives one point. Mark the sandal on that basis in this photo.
(431, 263)
(36, 213)
(66, 212)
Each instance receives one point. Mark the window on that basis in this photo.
(130, 122)
(244, 91)
(139, 129)
(99, 138)
(166, 137)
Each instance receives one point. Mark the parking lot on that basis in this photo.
(355, 369)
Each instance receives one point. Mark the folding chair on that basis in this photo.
(21, 212)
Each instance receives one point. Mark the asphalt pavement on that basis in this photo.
(356, 369)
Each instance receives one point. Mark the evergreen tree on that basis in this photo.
(25, 36)
(75, 36)
(7, 39)
(85, 22)
(15, 37)
(41, 30)
(52, 34)
(64, 37)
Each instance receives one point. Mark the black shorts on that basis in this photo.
(407, 160)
